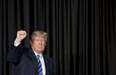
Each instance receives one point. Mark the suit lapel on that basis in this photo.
(46, 64)
(32, 55)
(33, 58)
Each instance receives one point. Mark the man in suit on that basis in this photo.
(25, 59)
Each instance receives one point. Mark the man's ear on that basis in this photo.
(45, 44)
(30, 42)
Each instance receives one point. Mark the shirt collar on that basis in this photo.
(40, 54)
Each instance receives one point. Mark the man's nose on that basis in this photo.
(40, 43)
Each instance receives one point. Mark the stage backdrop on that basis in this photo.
(82, 33)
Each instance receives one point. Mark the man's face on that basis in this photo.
(38, 44)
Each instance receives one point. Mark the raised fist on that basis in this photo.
(20, 35)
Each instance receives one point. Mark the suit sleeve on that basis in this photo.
(14, 54)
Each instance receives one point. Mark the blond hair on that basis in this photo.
(40, 34)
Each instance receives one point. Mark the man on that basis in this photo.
(30, 61)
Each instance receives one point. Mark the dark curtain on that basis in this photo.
(82, 33)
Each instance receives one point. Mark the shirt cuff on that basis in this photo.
(16, 43)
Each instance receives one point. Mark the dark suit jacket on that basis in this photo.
(26, 62)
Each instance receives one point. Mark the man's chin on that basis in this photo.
(40, 50)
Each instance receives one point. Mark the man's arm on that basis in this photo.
(14, 52)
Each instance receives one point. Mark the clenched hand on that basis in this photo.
(20, 35)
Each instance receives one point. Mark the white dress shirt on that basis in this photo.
(41, 58)
(42, 62)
